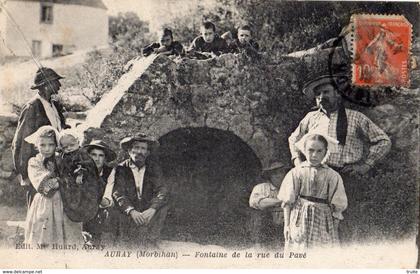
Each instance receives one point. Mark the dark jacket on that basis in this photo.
(175, 48)
(154, 193)
(106, 171)
(250, 48)
(80, 202)
(106, 219)
(218, 46)
(32, 117)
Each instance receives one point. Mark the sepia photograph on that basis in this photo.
(209, 134)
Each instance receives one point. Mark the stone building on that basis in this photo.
(52, 27)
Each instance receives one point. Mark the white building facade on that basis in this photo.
(52, 27)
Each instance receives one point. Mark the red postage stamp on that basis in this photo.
(381, 50)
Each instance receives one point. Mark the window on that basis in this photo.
(46, 13)
(36, 48)
(57, 50)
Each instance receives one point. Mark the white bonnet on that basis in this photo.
(44, 131)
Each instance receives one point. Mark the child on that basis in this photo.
(245, 43)
(167, 45)
(46, 222)
(208, 43)
(80, 187)
(313, 199)
(267, 219)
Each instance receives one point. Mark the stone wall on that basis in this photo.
(260, 102)
(238, 109)
(10, 192)
(251, 100)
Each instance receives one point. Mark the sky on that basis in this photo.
(156, 12)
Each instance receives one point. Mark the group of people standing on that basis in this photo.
(333, 149)
(71, 191)
(73, 196)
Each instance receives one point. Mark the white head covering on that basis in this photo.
(332, 143)
(69, 132)
(33, 138)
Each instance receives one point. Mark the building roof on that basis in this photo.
(89, 3)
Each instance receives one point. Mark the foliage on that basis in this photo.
(102, 69)
(291, 26)
(282, 26)
(126, 30)
(186, 28)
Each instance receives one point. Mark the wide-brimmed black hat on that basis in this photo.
(128, 141)
(43, 76)
(110, 155)
(338, 81)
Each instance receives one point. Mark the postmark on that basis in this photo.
(381, 50)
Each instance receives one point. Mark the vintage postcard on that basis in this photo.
(209, 134)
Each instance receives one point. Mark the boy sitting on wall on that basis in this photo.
(166, 46)
(245, 43)
(208, 43)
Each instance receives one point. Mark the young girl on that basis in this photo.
(313, 199)
(46, 222)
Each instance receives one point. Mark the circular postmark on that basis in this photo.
(339, 63)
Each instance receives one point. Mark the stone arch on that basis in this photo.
(211, 173)
(161, 98)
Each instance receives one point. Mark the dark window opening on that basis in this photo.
(211, 174)
(57, 50)
(46, 13)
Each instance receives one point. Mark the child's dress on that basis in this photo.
(46, 222)
(315, 195)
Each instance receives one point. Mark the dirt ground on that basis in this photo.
(9, 217)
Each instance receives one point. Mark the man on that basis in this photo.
(40, 111)
(101, 155)
(356, 134)
(107, 218)
(140, 194)
(267, 218)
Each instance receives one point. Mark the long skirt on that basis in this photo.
(47, 224)
(311, 225)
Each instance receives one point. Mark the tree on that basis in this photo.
(126, 30)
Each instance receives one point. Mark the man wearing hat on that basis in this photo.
(39, 111)
(101, 155)
(356, 135)
(267, 218)
(107, 218)
(140, 194)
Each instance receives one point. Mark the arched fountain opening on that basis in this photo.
(211, 173)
